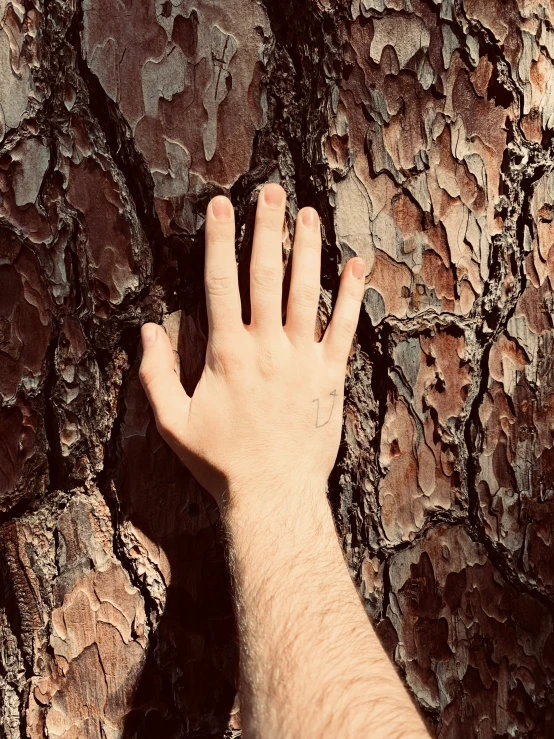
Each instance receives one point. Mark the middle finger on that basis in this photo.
(266, 266)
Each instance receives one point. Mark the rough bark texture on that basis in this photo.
(421, 130)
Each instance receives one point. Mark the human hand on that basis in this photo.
(268, 406)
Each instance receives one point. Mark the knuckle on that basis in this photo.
(231, 363)
(348, 326)
(306, 295)
(220, 235)
(266, 278)
(227, 360)
(267, 361)
(352, 291)
(146, 375)
(270, 222)
(220, 283)
(313, 242)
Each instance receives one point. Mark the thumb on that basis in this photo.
(163, 388)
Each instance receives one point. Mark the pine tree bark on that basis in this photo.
(421, 130)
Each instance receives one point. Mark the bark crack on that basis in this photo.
(120, 144)
(540, 162)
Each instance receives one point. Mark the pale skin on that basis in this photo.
(261, 433)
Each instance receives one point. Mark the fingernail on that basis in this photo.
(310, 217)
(358, 269)
(274, 195)
(148, 334)
(221, 208)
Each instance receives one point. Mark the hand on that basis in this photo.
(269, 403)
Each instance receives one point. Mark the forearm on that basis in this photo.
(311, 663)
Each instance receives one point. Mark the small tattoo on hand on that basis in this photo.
(316, 400)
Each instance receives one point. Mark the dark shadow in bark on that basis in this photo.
(187, 686)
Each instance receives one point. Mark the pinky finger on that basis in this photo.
(337, 342)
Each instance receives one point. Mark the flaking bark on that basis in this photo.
(421, 131)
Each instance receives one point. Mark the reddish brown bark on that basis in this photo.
(421, 130)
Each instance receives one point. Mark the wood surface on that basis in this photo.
(422, 133)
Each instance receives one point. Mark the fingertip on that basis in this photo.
(358, 268)
(148, 334)
(273, 195)
(309, 217)
(221, 208)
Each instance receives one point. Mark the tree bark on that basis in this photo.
(422, 133)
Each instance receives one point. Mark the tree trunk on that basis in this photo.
(421, 131)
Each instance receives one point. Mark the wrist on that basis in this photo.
(280, 537)
(277, 504)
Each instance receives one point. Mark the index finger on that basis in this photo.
(220, 268)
